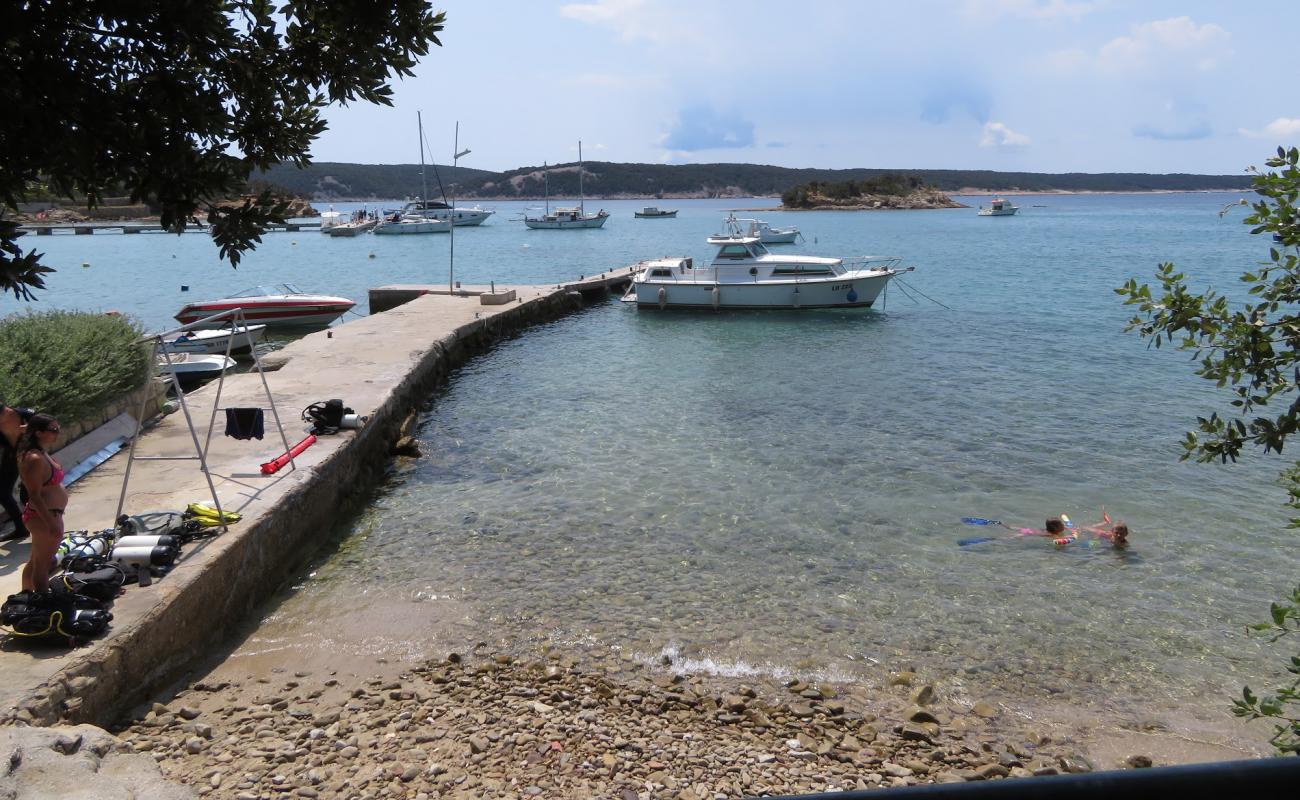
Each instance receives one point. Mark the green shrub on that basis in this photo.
(69, 364)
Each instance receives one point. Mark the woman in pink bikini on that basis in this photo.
(43, 478)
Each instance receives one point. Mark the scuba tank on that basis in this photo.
(169, 542)
(143, 556)
(80, 549)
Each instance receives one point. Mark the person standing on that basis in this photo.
(47, 499)
(11, 427)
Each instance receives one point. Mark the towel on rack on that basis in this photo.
(244, 423)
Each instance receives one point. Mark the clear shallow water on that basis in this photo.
(782, 491)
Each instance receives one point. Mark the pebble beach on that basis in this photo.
(488, 725)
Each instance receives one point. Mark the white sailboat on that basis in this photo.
(565, 218)
(400, 223)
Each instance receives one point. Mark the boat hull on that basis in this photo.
(405, 227)
(462, 218)
(215, 341)
(842, 292)
(778, 238)
(273, 315)
(661, 215)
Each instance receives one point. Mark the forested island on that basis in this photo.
(883, 192)
(325, 181)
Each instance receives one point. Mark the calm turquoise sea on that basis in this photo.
(783, 492)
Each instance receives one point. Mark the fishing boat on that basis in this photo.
(998, 208)
(239, 340)
(766, 233)
(193, 369)
(567, 218)
(650, 212)
(745, 274)
(402, 223)
(281, 306)
(460, 216)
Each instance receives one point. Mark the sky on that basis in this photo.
(1010, 85)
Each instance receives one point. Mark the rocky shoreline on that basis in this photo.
(487, 725)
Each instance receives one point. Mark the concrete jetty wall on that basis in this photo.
(161, 630)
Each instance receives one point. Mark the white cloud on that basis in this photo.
(632, 20)
(1280, 129)
(1048, 10)
(998, 135)
(1173, 43)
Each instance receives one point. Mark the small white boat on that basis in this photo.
(282, 306)
(192, 369)
(435, 209)
(998, 208)
(330, 219)
(399, 224)
(650, 212)
(745, 274)
(765, 233)
(567, 218)
(240, 340)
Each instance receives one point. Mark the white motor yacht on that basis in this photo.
(282, 306)
(459, 216)
(998, 208)
(399, 223)
(745, 274)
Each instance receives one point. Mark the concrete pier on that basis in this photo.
(385, 297)
(384, 365)
(88, 228)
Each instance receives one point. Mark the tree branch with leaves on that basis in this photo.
(1252, 350)
(177, 104)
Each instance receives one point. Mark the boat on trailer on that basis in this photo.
(745, 274)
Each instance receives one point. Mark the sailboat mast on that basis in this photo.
(546, 187)
(451, 215)
(582, 196)
(424, 183)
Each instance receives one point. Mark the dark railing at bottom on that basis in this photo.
(1260, 778)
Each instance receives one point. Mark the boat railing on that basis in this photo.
(871, 262)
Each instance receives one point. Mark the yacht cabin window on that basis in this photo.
(661, 273)
(733, 251)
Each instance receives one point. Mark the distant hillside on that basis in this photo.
(337, 181)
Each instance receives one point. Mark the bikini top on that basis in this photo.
(56, 472)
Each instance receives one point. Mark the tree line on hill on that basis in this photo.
(340, 181)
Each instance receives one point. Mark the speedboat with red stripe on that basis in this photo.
(281, 306)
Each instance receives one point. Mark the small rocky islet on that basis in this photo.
(486, 725)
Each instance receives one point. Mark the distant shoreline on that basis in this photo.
(655, 198)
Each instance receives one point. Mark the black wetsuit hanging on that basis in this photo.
(244, 423)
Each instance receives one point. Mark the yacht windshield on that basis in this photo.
(759, 249)
(257, 291)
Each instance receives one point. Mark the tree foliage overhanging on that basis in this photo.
(1254, 351)
(177, 103)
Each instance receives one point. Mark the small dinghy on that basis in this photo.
(193, 369)
(217, 340)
